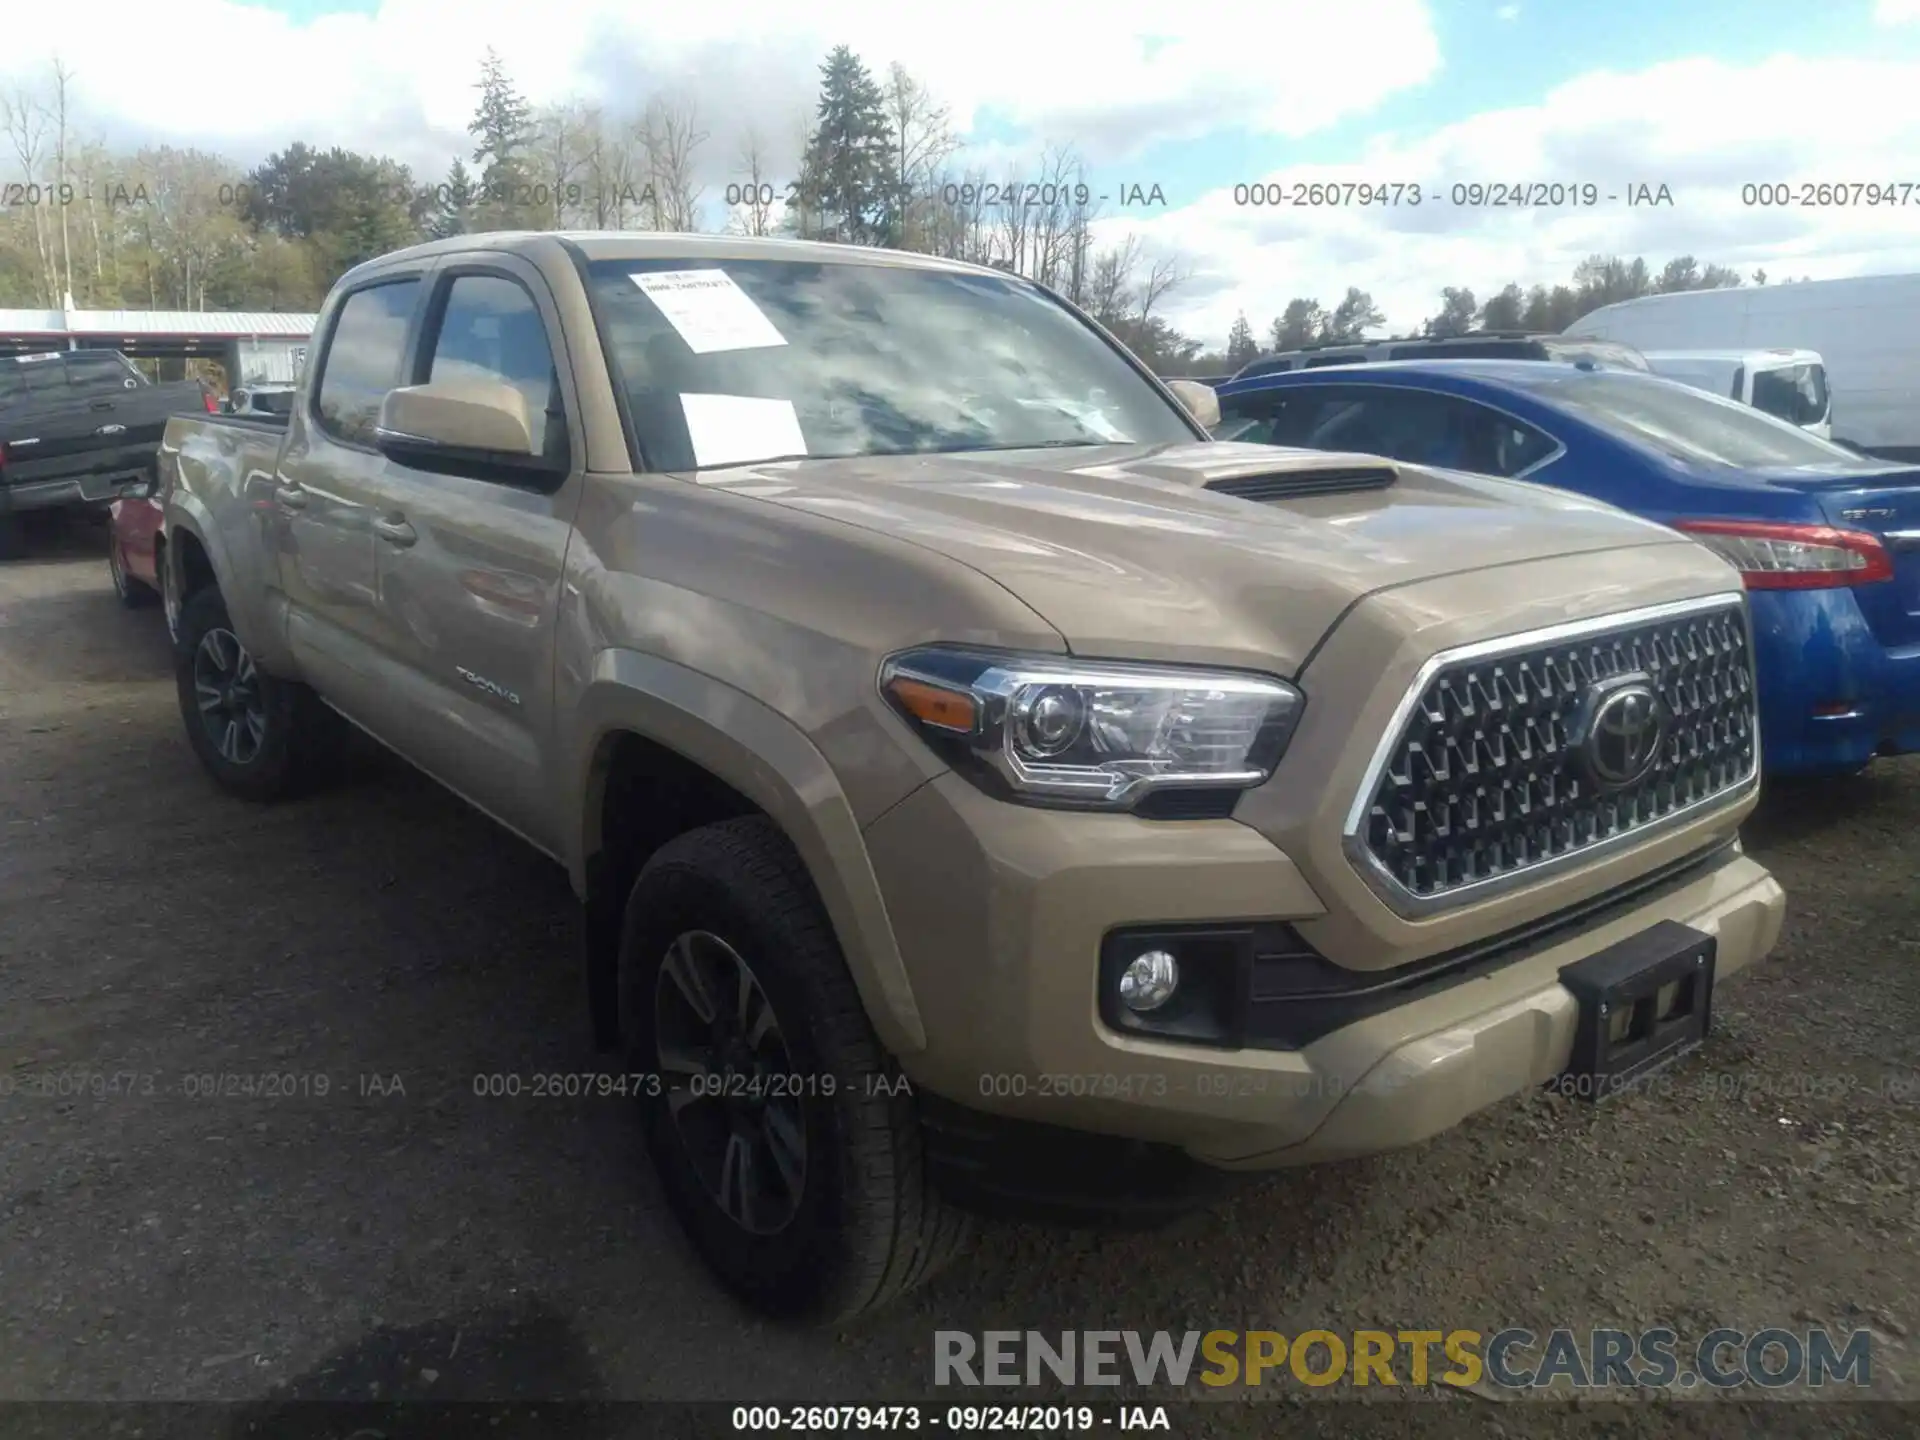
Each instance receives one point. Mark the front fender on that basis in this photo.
(774, 764)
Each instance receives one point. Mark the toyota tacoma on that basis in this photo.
(986, 792)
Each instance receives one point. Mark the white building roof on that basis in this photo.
(210, 324)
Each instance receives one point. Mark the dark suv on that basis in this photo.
(1475, 345)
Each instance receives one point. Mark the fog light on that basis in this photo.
(1149, 980)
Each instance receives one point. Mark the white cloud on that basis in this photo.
(1700, 127)
(1507, 12)
(245, 81)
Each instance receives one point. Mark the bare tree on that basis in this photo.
(612, 168)
(94, 163)
(754, 214)
(1110, 282)
(1163, 277)
(1063, 207)
(560, 138)
(921, 141)
(956, 217)
(798, 215)
(25, 119)
(62, 181)
(671, 134)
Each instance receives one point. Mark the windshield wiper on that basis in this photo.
(1033, 445)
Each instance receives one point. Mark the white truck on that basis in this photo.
(1863, 329)
(1790, 385)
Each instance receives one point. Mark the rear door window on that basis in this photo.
(1399, 424)
(362, 359)
(1423, 428)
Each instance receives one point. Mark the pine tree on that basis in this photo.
(502, 127)
(453, 203)
(844, 182)
(1241, 346)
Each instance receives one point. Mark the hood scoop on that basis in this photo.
(1298, 484)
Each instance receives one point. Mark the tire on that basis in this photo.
(864, 1225)
(132, 593)
(12, 544)
(288, 740)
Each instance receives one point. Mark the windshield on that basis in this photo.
(1688, 424)
(726, 363)
(1795, 393)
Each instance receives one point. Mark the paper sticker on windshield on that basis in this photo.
(739, 429)
(709, 310)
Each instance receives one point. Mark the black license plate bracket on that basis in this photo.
(1644, 1003)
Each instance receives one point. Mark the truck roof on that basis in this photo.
(673, 245)
(1751, 355)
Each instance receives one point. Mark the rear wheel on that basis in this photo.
(259, 736)
(132, 593)
(787, 1143)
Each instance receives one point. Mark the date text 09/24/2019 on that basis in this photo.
(953, 1419)
(1461, 194)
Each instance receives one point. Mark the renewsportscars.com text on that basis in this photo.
(1512, 1359)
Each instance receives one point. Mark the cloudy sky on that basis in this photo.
(1702, 97)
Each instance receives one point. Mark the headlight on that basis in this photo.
(1062, 731)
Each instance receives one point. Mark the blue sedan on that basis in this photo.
(1828, 541)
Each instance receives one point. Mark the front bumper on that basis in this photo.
(1832, 696)
(1001, 911)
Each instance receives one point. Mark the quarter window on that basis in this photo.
(362, 359)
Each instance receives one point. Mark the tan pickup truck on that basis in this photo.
(985, 791)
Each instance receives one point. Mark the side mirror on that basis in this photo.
(457, 424)
(1199, 400)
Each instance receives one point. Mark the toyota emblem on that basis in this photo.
(1625, 723)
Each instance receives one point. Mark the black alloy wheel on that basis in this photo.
(743, 1127)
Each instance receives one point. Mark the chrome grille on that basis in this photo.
(1480, 783)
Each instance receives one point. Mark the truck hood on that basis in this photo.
(1127, 553)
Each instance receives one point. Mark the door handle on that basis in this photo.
(291, 496)
(100, 405)
(395, 532)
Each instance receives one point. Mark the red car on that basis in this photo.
(131, 551)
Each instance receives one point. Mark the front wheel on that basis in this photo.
(787, 1143)
(259, 736)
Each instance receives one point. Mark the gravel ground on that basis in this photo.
(385, 943)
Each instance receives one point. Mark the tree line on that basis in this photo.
(1598, 280)
(165, 227)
